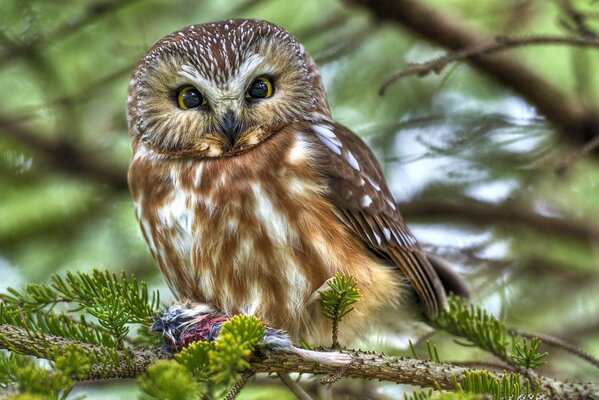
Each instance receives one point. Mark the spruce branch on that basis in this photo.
(167, 379)
(483, 330)
(363, 365)
(337, 301)
(88, 291)
(560, 343)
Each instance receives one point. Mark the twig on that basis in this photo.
(477, 212)
(577, 18)
(499, 44)
(557, 342)
(569, 161)
(295, 388)
(245, 377)
(358, 365)
(578, 120)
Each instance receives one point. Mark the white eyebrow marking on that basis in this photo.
(190, 72)
(247, 70)
(204, 85)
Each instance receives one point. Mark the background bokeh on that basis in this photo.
(471, 163)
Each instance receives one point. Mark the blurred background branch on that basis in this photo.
(575, 119)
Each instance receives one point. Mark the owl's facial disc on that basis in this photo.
(219, 89)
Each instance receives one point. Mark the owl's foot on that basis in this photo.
(185, 322)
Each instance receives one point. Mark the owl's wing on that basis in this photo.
(359, 192)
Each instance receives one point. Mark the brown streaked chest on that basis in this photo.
(252, 233)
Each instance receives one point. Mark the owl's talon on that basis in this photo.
(185, 322)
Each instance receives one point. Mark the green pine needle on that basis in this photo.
(433, 395)
(343, 293)
(238, 338)
(167, 379)
(483, 330)
(196, 358)
(509, 386)
(337, 301)
(85, 291)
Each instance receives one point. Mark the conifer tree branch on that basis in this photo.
(557, 342)
(363, 365)
(130, 363)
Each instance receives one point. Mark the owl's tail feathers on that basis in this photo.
(451, 280)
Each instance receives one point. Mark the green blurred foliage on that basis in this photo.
(454, 138)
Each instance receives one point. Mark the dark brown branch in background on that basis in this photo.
(63, 155)
(578, 19)
(80, 96)
(567, 163)
(577, 122)
(499, 44)
(361, 365)
(485, 214)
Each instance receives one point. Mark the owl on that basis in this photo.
(250, 196)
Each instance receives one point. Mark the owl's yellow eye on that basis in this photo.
(190, 97)
(261, 88)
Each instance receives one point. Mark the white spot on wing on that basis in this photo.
(378, 239)
(349, 157)
(366, 201)
(330, 145)
(387, 233)
(373, 184)
(326, 132)
(391, 204)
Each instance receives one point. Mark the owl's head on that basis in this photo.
(221, 88)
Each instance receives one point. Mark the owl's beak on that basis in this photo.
(230, 124)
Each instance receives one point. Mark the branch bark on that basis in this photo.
(578, 122)
(360, 364)
(499, 44)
